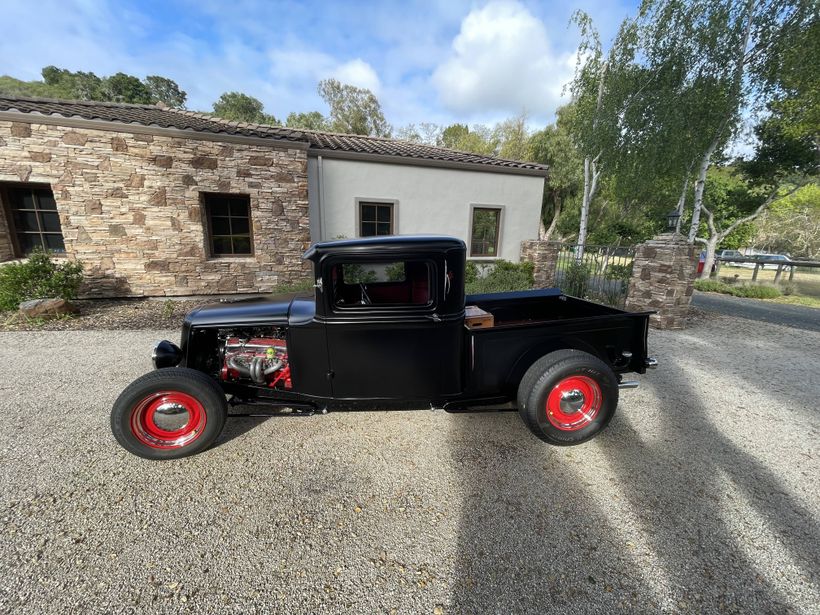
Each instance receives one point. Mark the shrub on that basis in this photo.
(789, 288)
(575, 281)
(755, 291)
(503, 276)
(749, 291)
(38, 277)
(618, 272)
(712, 286)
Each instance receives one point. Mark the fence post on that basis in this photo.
(663, 277)
(544, 257)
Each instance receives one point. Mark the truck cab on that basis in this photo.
(388, 325)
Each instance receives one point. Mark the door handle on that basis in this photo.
(435, 317)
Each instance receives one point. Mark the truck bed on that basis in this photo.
(529, 324)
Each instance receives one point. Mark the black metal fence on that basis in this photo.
(600, 274)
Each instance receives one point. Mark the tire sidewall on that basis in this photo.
(537, 400)
(205, 392)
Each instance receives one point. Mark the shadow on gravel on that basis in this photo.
(533, 538)
(702, 555)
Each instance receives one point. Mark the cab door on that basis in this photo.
(386, 338)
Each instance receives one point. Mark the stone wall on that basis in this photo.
(131, 209)
(663, 277)
(544, 257)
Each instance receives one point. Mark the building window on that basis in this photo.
(229, 224)
(484, 236)
(375, 219)
(34, 219)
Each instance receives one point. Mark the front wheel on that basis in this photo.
(567, 397)
(169, 413)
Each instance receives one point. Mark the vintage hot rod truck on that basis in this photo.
(387, 325)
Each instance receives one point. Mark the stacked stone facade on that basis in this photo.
(131, 207)
(544, 257)
(663, 277)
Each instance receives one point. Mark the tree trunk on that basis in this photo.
(737, 84)
(709, 262)
(591, 176)
(699, 185)
(556, 199)
(682, 200)
(716, 236)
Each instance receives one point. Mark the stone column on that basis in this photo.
(663, 277)
(544, 257)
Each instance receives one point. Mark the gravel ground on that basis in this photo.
(702, 496)
(110, 314)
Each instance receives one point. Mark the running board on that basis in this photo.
(629, 384)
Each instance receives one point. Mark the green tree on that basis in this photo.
(513, 137)
(166, 91)
(239, 107)
(478, 140)
(353, 110)
(311, 120)
(792, 224)
(126, 88)
(555, 147)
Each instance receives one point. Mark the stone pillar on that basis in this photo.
(544, 257)
(663, 277)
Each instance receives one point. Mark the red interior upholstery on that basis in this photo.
(414, 290)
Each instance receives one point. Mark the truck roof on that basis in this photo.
(386, 243)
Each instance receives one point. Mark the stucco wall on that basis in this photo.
(131, 210)
(430, 200)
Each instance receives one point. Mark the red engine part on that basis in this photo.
(263, 360)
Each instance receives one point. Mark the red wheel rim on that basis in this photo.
(168, 419)
(574, 403)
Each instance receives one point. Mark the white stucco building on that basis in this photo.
(352, 197)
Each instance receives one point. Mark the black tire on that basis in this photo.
(547, 374)
(182, 385)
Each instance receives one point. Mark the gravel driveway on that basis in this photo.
(702, 496)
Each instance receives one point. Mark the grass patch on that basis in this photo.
(748, 291)
(812, 302)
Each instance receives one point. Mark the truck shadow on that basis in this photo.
(686, 522)
(242, 419)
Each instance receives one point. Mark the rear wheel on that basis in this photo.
(567, 397)
(169, 413)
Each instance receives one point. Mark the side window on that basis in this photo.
(386, 283)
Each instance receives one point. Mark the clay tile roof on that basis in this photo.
(164, 117)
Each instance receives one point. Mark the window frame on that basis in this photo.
(392, 203)
(386, 308)
(498, 234)
(209, 234)
(11, 226)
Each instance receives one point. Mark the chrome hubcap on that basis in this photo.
(171, 416)
(572, 401)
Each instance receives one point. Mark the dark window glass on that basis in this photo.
(220, 226)
(384, 283)
(35, 220)
(484, 236)
(55, 242)
(51, 222)
(375, 219)
(229, 224)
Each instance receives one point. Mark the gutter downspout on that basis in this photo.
(320, 179)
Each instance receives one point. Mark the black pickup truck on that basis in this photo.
(387, 326)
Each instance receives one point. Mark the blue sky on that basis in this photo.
(474, 62)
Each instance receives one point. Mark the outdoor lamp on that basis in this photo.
(672, 220)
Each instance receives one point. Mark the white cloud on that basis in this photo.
(502, 61)
(359, 73)
(301, 66)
